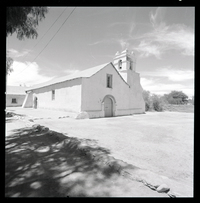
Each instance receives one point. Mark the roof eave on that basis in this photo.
(30, 89)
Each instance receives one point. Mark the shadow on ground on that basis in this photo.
(43, 163)
(12, 117)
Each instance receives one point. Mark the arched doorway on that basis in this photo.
(109, 104)
(108, 107)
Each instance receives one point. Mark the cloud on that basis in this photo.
(163, 38)
(123, 43)
(25, 73)
(160, 88)
(70, 71)
(179, 75)
(105, 41)
(121, 38)
(156, 18)
(171, 73)
(175, 37)
(15, 54)
(146, 82)
(147, 49)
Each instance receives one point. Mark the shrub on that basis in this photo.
(157, 103)
(146, 97)
(147, 106)
(152, 102)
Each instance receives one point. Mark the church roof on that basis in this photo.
(15, 90)
(81, 74)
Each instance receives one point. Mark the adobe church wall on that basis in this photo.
(95, 89)
(137, 104)
(67, 96)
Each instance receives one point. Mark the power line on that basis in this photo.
(44, 35)
(49, 28)
(50, 40)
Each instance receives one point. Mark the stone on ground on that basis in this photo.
(163, 188)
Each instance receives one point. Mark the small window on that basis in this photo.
(53, 94)
(131, 65)
(109, 81)
(14, 100)
(120, 64)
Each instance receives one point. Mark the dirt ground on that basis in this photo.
(159, 143)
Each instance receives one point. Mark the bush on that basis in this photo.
(152, 102)
(147, 106)
(157, 103)
(146, 97)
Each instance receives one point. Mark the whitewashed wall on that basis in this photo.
(94, 90)
(67, 96)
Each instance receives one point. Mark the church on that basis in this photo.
(107, 90)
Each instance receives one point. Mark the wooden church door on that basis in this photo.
(108, 107)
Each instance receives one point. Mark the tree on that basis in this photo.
(176, 97)
(152, 102)
(146, 97)
(23, 21)
(157, 103)
(9, 62)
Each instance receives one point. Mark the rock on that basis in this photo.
(36, 126)
(163, 188)
(44, 129)
(9, 114)
(43, 149)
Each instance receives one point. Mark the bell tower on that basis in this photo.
(125, 63)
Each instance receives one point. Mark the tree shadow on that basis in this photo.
(12, 117)
(43, 163)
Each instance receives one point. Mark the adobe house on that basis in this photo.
(15, 96)
(111, 89)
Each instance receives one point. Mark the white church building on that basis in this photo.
(111, 89)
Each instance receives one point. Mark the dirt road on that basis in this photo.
(161, 143)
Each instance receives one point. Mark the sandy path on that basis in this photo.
(159, 142)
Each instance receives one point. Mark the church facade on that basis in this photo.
(111, 89)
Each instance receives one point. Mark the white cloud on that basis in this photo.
(147, 49)
(175, 37)
(171, 74)
(156, 87)
(157, 18)
(123, 43)
(162, 88)
(179, 75)
(164, 37)
(15, 54)
(25, 73)
(70, 71)
(146, 82)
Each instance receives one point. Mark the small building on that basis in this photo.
(15, 96)
(111, 89)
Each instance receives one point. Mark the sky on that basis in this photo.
(162, 39)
